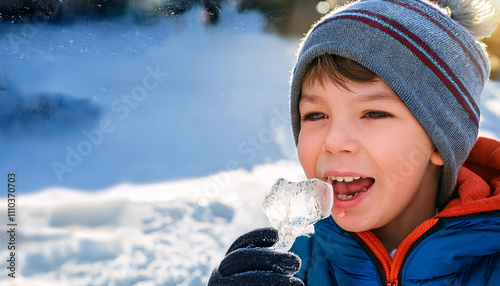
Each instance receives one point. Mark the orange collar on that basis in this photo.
(478, 183)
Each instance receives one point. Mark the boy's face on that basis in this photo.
(367, 143)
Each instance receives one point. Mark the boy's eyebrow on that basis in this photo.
(311, 98)
(377, 97)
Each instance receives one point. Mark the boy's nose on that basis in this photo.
(340, 139)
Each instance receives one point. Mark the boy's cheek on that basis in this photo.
(306, 159)
(301, 153)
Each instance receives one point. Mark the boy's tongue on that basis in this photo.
(351, 188)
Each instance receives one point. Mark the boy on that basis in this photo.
(384, 105)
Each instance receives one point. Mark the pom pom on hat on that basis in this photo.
(477, 16)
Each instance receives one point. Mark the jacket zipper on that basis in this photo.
(381, 269)
(389, 269)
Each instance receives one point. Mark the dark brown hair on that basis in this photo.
(338, 69)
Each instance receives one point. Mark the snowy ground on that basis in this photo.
(158, 198)
(169, 233)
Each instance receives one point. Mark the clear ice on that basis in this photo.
(292, 206)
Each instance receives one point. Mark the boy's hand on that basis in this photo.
(249, 261)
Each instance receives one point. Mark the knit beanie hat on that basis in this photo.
(428, 53)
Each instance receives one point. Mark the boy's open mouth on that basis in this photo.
(346, 188)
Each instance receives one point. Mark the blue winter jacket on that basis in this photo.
(459, 246)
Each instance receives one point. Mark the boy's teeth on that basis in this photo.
(346, 197)
(345, 179)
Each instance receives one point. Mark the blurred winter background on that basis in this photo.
(144, 135)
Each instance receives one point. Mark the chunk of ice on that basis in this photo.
(292, 206)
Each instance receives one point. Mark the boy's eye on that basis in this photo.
(313, 116)
(377, 115)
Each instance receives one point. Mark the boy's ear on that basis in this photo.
(436, 158)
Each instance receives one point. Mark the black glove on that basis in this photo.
(249, 261)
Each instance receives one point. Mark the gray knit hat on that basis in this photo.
(434, 62)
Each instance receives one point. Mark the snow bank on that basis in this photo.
(171, 233)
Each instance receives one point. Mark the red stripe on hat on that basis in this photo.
(449, 34)
(429, 50)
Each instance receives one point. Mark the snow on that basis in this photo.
(171, 233)
(490, 111)
(156, 186)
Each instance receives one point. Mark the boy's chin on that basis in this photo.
(350, 224)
